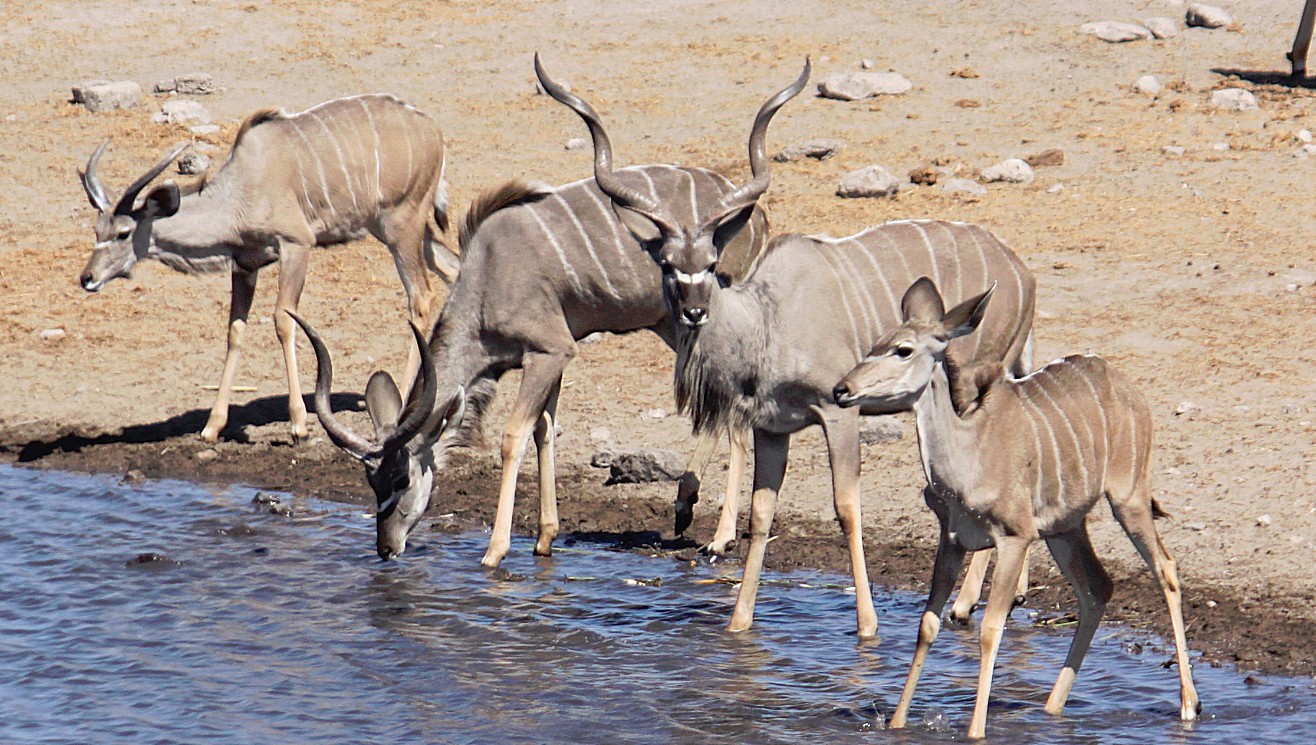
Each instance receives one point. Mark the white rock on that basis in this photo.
(852, 86)
(204, 129)
(181, 111)
(105, 95)
(1186, 408)
(1010, 171)
(192, 83)
(656, 413)
(1234, 99)
(962, 186)
(1221, 146)
(873, 181)
(577, 143)
(1162, 27)
(822, 149)
(52, 334)
(1264, 520)
(1115, 31)
(1148, 84)
(1304, 135)
(1055, 188)
(1207, 16)
(1175, 150)
(867, 64)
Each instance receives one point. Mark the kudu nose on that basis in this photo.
(87, 281)
(386, 552)
(841, 393)
(695, 316)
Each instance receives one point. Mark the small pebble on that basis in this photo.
(1207, 16)
(577, 143)
(1148, 85)
(206, 455)
(1264, 520)
(52, 334)
(1175, 150)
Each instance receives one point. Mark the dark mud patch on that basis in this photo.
(1269, 629)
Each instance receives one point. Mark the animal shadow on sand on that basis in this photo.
(260, 412)
(1267, 77)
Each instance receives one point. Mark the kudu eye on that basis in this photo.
(903, 351)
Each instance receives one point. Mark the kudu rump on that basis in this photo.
(541, 268)
(765, 353)
(1024, 459)
(291, 182)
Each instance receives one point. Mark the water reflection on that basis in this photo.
(261, 627)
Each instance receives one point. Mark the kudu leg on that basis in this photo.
(542, 374)
(725, 535)
(770, 454)
(1092, 586)
(841, 428)
(406, 242)
(1010, 555)
(545, 447)
(293, 262)
(244, 290)
(945, 570)
(1302, 41)
(1138, 522)
(687, 489)
(971, 590)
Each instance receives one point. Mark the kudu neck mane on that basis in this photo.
(718, 365)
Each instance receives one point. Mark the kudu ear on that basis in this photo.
(383, 403)
(730, 227)
(450, 421)
(444, 262)
(163, 200)
(964, 318)
(922, 302)
(644, 229)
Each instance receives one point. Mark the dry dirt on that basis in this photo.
(1193, 273)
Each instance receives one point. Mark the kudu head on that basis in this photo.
(400, 465)
(123, 229)
(900, 365)
(687, 254)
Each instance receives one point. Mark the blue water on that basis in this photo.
(252, 627)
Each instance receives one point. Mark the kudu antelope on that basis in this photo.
(291, 182)
(765, 353)
(540, 268)
(1026, 459)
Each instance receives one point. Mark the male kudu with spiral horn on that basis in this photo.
(542, 267)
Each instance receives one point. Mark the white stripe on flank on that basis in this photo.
(319, 165)
(956, 258)
(1055, 448)
(845, 303)
(342, 162)
(1038, 504)
(609, 217)
(562, 256)
(932, 255)
(589, 244)
(1078, 446)
(880, 273)
(1102, 458)
(379, 183)
(987, 279)
(858, 282)
(653, 188)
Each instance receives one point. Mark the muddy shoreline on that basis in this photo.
(1260, 631)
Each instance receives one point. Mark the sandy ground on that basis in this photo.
(1193, 273)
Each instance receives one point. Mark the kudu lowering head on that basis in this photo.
(119, 241)
(687, 254)
(900, 365)
(400, 466)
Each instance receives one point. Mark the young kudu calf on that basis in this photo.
(1026, 459)
(291, 182)
(540, 268)
(765, 353)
